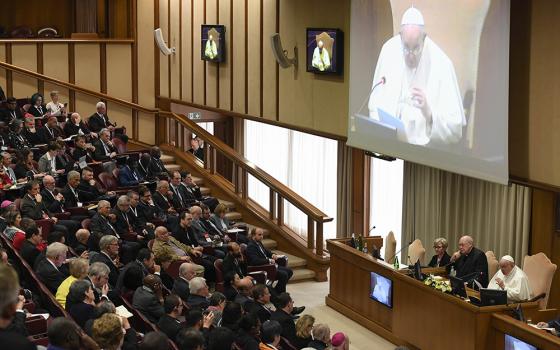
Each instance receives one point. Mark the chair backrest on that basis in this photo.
(119, 145)
(493, 264)
(86, 223)
(416, 252)
(540, 271)
(390, 248)
(151, 244)
(116, 172)
(218, 264)
(173, 269)
(108, 181)
(46, 226)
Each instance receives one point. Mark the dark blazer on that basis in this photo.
(31, 209)
(260, 311)
(18, 141)
(12, 340)
(101, 225)
(80, 152)
(88, 192)
(302, 342)
(185, 236)
(96, 122)
(197, 301)
(287, 323)
(246, 341)
(29, 252)
(210, 227)
(177, 199)
(49, 275)
(121, 224)
(232, 265)
(147, 213)
(3, 140)
(317, 345)
(170, 326)
(156, 167)
(445, 259)
(81, 313)
(114, 271)
(474, 262)
(46, 134)
(31, 137)
(50, 203)
(21, 171)
(145, 301)
(7, 115)
(257, 254)
(127, 176)
(200, 232)
(70, 200)
(218, 222)
(71, 129)
(164, 203)
(37, 111)
(131, 276)
(99, 153)
(181, 288)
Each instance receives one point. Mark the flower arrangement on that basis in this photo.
(438, 283)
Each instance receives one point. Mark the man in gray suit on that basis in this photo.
(148, 298)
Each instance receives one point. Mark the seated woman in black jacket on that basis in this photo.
(16, 139)
(37, 108)
(80, 302)
(441, 258)
(24, 166)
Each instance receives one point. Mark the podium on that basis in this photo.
(420, 318)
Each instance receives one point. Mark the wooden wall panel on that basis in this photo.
(211, 67)
(145, 18)
(187, 50)
(164, 60)
(85, 105)
(198, 64)
(238, 52)
(24, 56)
(119, 83)
(3, 71)
(87, 66)
(269, 65)
(225, 68)
(55, 64)
(175, 39)
(146, 130)
(254, 88)
(36, 15)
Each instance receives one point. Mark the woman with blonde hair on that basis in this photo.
(78, 271)
(107, 331)
(304, 325)
(441, 258)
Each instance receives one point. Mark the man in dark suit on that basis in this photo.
(11, 112)
(71, 193)
(146, 209)
(148, 299)
(283, 315)
(257, 254)
(125, 222)
(132, 275)
(156, 167)
(261, 297)
(49, 132)
(88, 190)
(163, 199)
(199, 293)
(29, 249)
(109, 255)
(49, 268)
(81, 243)
(187, 272)
(99, 120)
(104, 148)
(169, 323)
(127, 173)
(179, 203)
(193, 193)
(234, 263)
(51, 197)
(98, 275)
(469, 262)
(141, 225)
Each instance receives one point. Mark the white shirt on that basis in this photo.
(516, 284)
(55, 108)
(321, 59)
(435, 75)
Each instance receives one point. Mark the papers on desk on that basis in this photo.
(123, 312)
(549, 329)
(45, 316)
(69, 138)
(234, 230)
(92, 207)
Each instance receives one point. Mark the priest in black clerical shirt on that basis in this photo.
(470, 263)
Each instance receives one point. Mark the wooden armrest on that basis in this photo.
(78, 211)
(545, 315)
(259, 276)
(270, 270)
(62, 216)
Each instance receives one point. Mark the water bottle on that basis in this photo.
(396, 264)
(353, 241)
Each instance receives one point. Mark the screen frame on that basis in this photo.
(390, 292)
(521, 340)
(338, 50)
(221, 58)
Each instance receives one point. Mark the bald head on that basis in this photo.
(187, 271)
(195, 211)
(466, 244)
(161, 233)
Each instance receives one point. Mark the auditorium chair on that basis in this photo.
(493, 264)
(268, 269)
(416, 252)
(390, 248)
(218, 265)
(109, 182)
(119, 145)
(540, 272)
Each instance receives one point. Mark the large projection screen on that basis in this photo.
(429, 83)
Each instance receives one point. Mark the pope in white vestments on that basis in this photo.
(511, 279)
(211, 49)
(420, 86)
(321, 59)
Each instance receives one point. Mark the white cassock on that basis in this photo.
(435, 75)
(516, 283)
(321, 59)
(211, 50)
(382, 291)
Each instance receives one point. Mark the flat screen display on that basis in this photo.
(512, 343)
(381, 289)
(430, 83)
(325, 50)
(213, 43)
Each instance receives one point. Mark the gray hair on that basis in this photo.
(99, 269)
(441, 241)
(196, 284)
(104, 130)
(10, 287)
(195, 209)
(161, 183)
(99, 105)
(103, 203)
(123, 200)
(321, 331)
(56, 249)
(106, 240)
(72, 175)
(184, 268)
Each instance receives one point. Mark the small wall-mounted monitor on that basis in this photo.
(325, 50)
(213, 43)
(381, 289)
(512, 343)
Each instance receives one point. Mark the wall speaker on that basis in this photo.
(280, 54)
(158, 35)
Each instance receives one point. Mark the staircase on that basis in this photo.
(297, 264)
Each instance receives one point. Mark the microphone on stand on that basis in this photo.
(382, 81)
(397, 253)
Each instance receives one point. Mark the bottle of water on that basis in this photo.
(353, 241)
(396, 264)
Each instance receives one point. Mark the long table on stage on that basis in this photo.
(421, 317)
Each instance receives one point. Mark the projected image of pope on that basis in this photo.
(321, 59)
(211, 49)
(420, 85)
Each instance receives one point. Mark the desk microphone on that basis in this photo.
(397, 253)
(382, 81)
